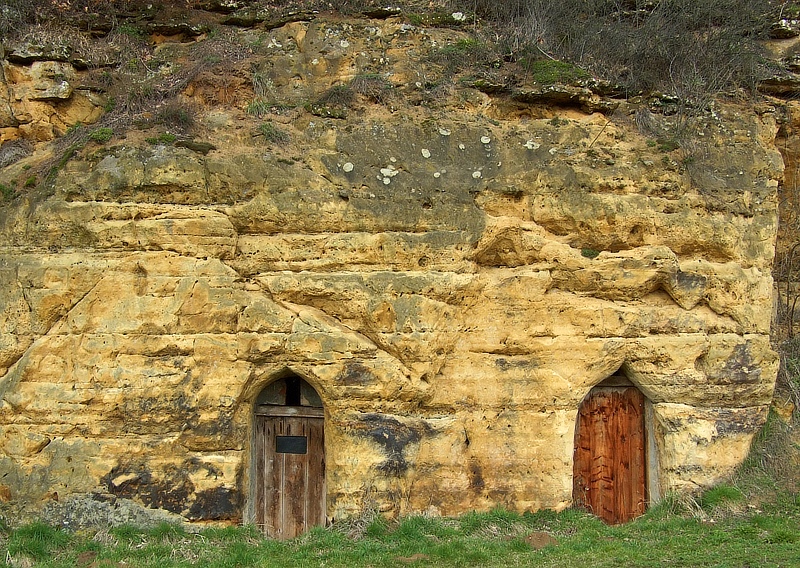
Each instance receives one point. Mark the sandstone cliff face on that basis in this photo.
(451, 275)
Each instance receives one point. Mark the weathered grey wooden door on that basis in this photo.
(290, 470)
(609, 476)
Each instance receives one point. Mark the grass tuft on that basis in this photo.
(720, 495)
(550, 72)
(101, 135)
(273, 134)
(37, 541)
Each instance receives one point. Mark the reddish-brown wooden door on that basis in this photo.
(609, 460)
(290, 473)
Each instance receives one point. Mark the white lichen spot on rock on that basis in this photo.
(485, 140)
(458, 16)
(444, 132)
(426, 153)
(437, 175)
(531, 145)
(393, 159)
(389, 171)
(477, 174)
(553, 151)
(348, 167)
(462, 147)
(315, 61)
(387, 181)
(344, 43)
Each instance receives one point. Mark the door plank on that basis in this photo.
(290, 487)
(609, 458)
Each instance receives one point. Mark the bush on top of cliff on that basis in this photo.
(688, 48)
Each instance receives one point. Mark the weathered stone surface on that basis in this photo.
(42, 99)
(452, 281)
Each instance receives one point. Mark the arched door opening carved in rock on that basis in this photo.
(289, 458)
(610, 457)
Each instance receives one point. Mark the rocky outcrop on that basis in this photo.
(452, 278)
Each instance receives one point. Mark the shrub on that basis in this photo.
(15, 14)
(464, 54)
(176, 115)
(258, 107)
(13, 151)
(6, 192)
(333, 103)
(549, 72)
(667, 144)
(101, 135)
(337, 96)
(131, 30)
(163, 138)
(272, 133)
(262, 84)
(690, 48)
(371, 86)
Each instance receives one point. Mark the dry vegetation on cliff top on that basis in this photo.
(687, 48)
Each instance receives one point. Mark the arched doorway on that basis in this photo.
(289, 458)
(610, 456)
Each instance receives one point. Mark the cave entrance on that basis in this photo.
(610, 456)
(289, 458)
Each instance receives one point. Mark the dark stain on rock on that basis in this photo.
(218, 504)
(356, 374)
(740, 368)
(214, 432)
(476, 481)
(140, 279)
(505, 364)
(174, 411)
(393, 437)
(687, 282)
(173, 351)
(685, 288)
(136, 481)
(733, 422)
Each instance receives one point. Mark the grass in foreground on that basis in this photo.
(669, 535)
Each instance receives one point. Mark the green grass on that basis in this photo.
(259, 107)
(273, 134)
(165, 138)
(663, 537)
(6, 192)
(101, 135)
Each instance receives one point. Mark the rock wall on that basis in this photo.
(452, 275)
